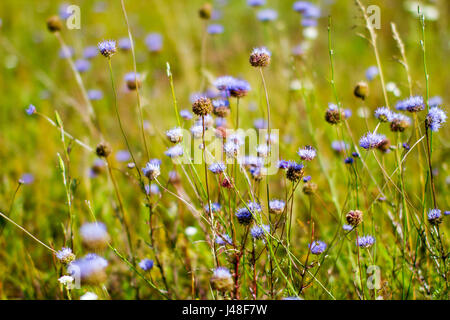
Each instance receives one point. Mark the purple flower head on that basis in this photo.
(266, 15)
(82, 65)
(124, 43)
(66, 52)
(260, 124)
(308, 153)
(26, 178)
(371, 73)
(411, 104)
(371, 140)
(215, 29)
(365, 241)
(90, 52)
(224, 239)
(383, 114)
(186, 114)
(258, 232)
(107, 48)
(339, 146)
(317, 247)
(215, 207)
(30, 110)
(435, 101)
(309, 22)
(307, 179)
(153, 41)
(217, 167)
(256, 3)
(94, 94)
(146, 264)
(435, 118)
(123, 156)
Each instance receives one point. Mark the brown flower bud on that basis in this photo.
(309, 188)
(354, 217)
(54, 24)
(202, 106)
(205, 11)
(361, 90)
(103, 150)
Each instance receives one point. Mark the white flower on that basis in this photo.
(89, 296)
(190, 231)
(67, 281)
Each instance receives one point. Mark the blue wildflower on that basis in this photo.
(435, 118)
(317, 247)
(107, 48)
(217, 167)
(215, 29)
(276, 206)
(411, 104)
(90, 52)
(30, 110)
(371, 140)
(266, 15)
(371, 73)
(146, 264)
(153, 41)
(258, 232)
(82, 65)
(124, 44)
(308, 153)
(186, 114)
(434, 216)
(223, 239)
(383, 114)
(152, 169)
(365, 241)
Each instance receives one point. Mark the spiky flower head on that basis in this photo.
(399, 122)
(435, 118)
(308, 153)
(365, 241)
(222, 279)
(146, 264)
(30, 110)
(223, 239)
(202, 106)
(371, 140)
(258, 232)
(434, 217)
(317, 247)
(383, 114)
(217, 167)
(354, 217)
(334, 114)
(294, 171)
(175, 151)
(65, 255)
(133, 80)
(276, 206)
(175, 135)
(152, 169)
(107, 48)
(411, 104)
(221, 107)
(239, 88)
(260, 57)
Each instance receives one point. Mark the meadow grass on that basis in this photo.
(144, 192)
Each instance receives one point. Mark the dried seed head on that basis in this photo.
(205, 11)
(222, 280)
(309, 188)
(333, 116)
(202, 106)
(385, 145)
(354, 217)
(260, 57)
(361, 90)
(103, 150)
(54, 24)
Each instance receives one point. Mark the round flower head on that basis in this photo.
(354, 217)
(361, 90)
(308, 153)
(215, 207)
(133, 80)
(152, 169)
(224, 83)
(222, 279)
(26, 178)
(90, 269)
(175, 135)
(175, 151)
(434, 217)
(411, 104)
(215, 29)
(309, 22)
(260, 57)
(153, 41)
(256, 3)
(349, 160)
(221, 107)
(399, 122)
(82, 65)
(276, 206)
(260, 123)
(90, 52)
(202, 106)
(258, 232)
(244, 216)
(30, 110)
(186, 114)
(239, 88)
(65, 255)
(383, 114)
(223, 239)
(54, 24)
(94, 235)
(347, 227)
(67, 281)
(334, 115)
(435, 101)
(107, 48)
(197, 131)
(123, 156)
(146, 264)
(294, 171)
(371, 140)
(365, 241)
(307, 179)
(94, 94)
(103, 150)
(217, 167)
(205, 11)
(339, 146)
(302, 6)
(266, 15)
(231, 149)
(317, 247)
(435, 118)
(66, 52)
(124, 44)
(309, 188)
(371, 73)
(283, 164)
